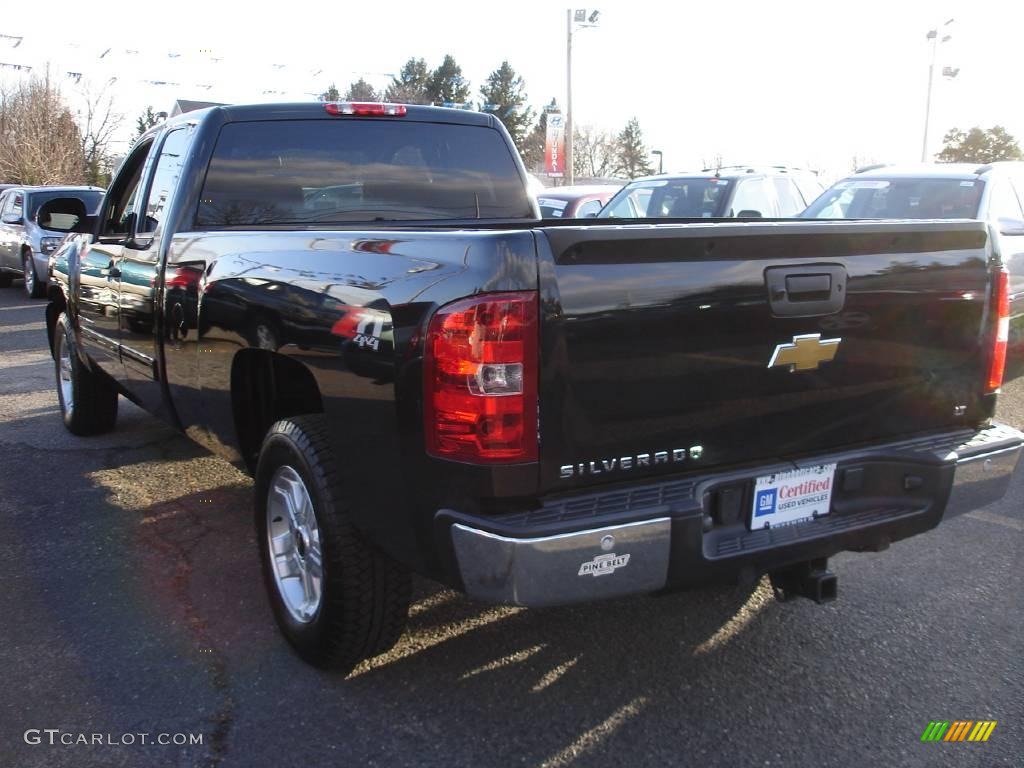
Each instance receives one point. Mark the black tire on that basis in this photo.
(5, 279)
(33, 286)
(93, 406)
(364, 600)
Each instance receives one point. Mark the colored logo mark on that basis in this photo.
(765, 502)
(958, 730)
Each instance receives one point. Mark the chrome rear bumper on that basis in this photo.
(611, 559)
(984, 468)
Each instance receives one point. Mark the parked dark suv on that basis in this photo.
(729, 192)
(25, 247)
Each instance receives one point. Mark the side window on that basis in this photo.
(123, 199)
(752, 195)
(1018, 187)
(790, 203)
(810, 188)
(165, 178)
(632, 206)
(15, 204)
(589, 208)
(1004, 202)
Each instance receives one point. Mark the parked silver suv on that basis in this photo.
(25, 247)
(736, 191)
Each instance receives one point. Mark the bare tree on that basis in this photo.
(39, 140)
(593, 152)
(98, 122)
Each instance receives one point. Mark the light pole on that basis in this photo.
(578, 16)
(933, 35)
(661, 157)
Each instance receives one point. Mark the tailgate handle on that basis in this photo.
(806, 291)
(809, 288)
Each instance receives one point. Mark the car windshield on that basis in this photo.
(899, 199)
(682, 198)
(320, 171)
(91, 197)
(552, 207)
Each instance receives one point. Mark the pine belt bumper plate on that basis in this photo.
(565, 568)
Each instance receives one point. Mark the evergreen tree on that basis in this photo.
(361, 90)
(331, 94)
(410, 86)
(632, 158)
(504, 95)
(446, 83)
(144, 122)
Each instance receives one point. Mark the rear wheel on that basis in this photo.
(87, 398)
(335, 596)
(33, 287)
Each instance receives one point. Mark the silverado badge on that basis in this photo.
(806, 353)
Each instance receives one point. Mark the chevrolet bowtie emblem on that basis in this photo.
(806, 353)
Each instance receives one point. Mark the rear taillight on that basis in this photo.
(480, 379)
(1002, 331)
(365, 108)
(184, 278)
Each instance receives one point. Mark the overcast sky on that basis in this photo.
(794, 82)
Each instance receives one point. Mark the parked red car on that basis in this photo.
(579, 202)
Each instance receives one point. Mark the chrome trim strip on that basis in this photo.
(566, 568)
(143, 362)
(104, 342)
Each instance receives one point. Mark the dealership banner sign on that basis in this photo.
(554, 146)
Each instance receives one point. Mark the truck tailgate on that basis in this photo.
(688, 347)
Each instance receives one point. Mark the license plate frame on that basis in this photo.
(792, 496)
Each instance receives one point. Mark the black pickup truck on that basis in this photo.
(360, 305)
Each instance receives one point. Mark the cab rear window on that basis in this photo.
(351, 170)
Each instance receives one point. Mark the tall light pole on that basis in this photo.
(933, 35)
(661, 156)
(579, 17)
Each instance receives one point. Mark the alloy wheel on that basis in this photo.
(296, 556)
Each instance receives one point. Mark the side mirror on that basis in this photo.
(64, 214)
(590, 215)
(12, 218)
(748, 214)
(1010, 227)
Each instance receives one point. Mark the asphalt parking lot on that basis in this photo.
(132, 603)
